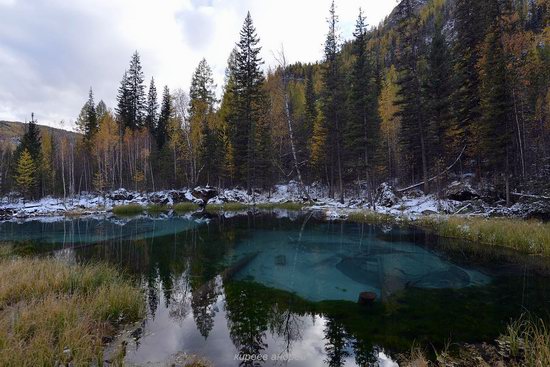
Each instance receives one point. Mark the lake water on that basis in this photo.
(281, 288)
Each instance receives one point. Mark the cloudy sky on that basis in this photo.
(52, 51)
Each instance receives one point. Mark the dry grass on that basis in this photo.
(185, 207)
(371, 217)
(52, 313)
(531, 237)
(130, 209)
(528, 341)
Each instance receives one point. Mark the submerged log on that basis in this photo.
(366, 298)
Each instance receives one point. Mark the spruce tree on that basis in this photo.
(131, 96)
(333, 100)
(101, 110)
(91, 120)
(250, 103)
(413, 125)
(151, 118)
(362, 128)
(437, 91)
(161, 132)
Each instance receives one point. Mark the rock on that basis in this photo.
(120, 195)
(366, 298)
(204, 194)
(159, 198)
(461, 191)
(386, 195)
(179, 197)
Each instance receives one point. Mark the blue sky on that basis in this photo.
(52, 51)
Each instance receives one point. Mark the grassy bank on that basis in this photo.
(130, 209)
(526, 236)
(52, 313)
(530, 237)
(526, 343)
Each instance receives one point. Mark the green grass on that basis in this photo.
(157, 209)
(130, 209)
(53, 313)
(527, 341)
(185, 207)
(530, 237)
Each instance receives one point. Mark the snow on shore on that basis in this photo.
(412, 205)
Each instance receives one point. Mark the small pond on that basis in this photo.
(281, 288)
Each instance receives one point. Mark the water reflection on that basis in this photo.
(292, 301)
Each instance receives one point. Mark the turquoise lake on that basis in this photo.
(281, 287)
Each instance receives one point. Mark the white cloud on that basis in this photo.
(52, 51)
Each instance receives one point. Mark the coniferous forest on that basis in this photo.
(441, 88)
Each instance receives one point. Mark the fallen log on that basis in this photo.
(436, 176)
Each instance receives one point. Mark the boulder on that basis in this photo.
(461, 191)
(179, 197)
(120, 195)
(386, 195)
(204, 193)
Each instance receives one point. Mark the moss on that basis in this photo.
(157, 209)
(227, 207)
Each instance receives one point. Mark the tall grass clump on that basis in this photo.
(528, 236)
(185, 207)
(527, 340)
(53, 313)
(130, 209)
(157, 209)
(371, 217)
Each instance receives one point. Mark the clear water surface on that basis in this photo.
(281, 288)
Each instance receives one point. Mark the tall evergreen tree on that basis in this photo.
(413, 125)
(91, 122)
(166, 112)
(437, 91)
(333, 100)
(362, 128)
(101, 110)
(152, 110)
(131, 96)
(250, 102)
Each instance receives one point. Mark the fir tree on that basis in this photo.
(362, 128)
(249, 104)
(333, 100)
(131, 96)
(437, 91)
(166, 112)
(91, 120)
(151, 118)
(413, 126)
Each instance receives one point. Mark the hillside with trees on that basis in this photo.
(440, 89)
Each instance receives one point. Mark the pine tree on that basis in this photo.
(151, 118)
(26, 174)
(101, 110)
(249, 104)
(166, 112)
(333, 100)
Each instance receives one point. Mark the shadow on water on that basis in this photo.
(283, 288)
